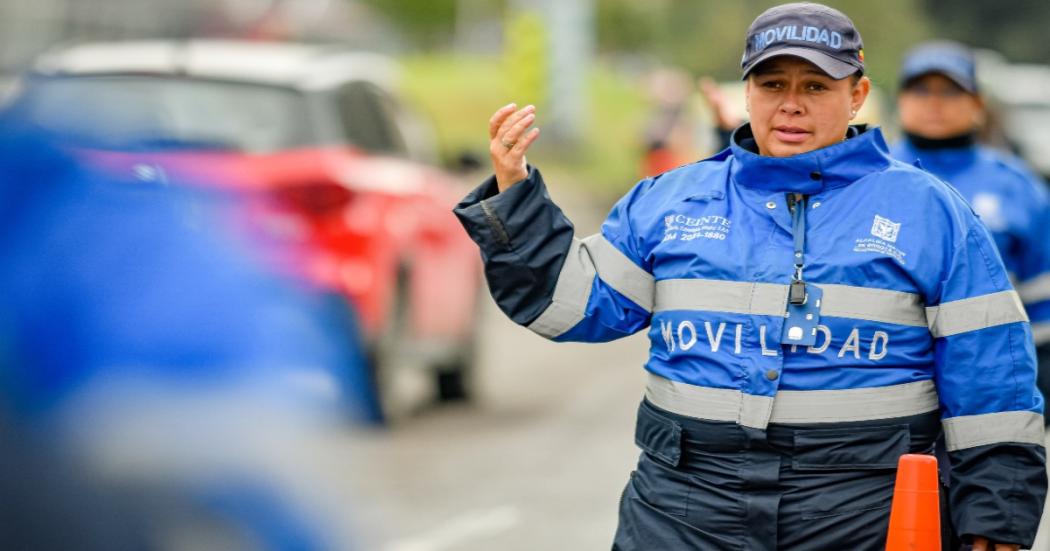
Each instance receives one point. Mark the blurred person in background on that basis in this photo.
(941, 113)
(677, 134)
(158, 390)
(816, 309)
(726, 121)
(668, 134)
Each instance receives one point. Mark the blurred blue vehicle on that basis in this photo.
(188, 394)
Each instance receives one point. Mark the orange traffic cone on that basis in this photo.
(915, 519)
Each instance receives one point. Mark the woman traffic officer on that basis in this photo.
(815, 308)
(941, 111)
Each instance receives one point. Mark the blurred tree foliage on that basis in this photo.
(428, 22)
(431, 23)
(707, 36)
(1016, 28)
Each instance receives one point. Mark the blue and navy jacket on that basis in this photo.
(918, 311)
(1013, 204)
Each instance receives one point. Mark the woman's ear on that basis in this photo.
(859, 94)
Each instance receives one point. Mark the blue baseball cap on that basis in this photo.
(943, 57)
(816, 33)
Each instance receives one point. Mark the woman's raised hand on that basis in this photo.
(509, 139)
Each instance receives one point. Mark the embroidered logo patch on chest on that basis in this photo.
(687, 228)
(884, 228)
(885, 233)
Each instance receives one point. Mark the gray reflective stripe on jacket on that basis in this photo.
(970, 431)
(587, 257)
(971, 314)
(842, 406)
(770, 299)
(844, 301)
(1041, 333)
(595, 255)
(792, 406)
(1035, 290)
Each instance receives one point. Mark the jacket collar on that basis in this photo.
(968, 139)
(862, 152)
(942, 160)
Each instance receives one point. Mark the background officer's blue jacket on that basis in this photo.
(918, 313)
(1012, 202)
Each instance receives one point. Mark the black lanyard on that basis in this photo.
(797, 206)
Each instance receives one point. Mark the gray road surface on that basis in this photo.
(539, 464)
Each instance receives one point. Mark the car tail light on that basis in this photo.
(320, 198)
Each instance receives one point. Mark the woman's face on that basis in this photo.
(934, 107)
(796, 108)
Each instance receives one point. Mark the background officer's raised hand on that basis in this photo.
(509, 139)
(725, 118)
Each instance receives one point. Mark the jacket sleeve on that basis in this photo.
(1033, 254)
(992, 412)
(563, 288)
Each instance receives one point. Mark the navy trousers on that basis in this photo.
(712, 486)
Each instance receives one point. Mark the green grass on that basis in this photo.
(460, 93)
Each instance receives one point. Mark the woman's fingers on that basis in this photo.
(512, 120)
(525, 141)
(512, 128)
(510, 138)
(514, 133)
(498, 117)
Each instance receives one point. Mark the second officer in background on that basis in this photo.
(941, 111)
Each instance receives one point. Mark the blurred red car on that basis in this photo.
(327, 161)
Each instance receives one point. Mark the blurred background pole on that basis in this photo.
(572, 45)
(554, 55)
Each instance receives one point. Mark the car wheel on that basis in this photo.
(455, 378)
(398, 380)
